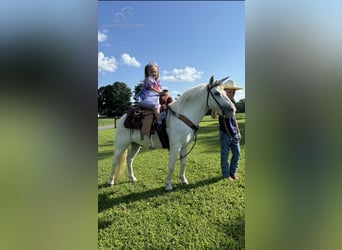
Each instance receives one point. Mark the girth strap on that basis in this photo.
(185, 120)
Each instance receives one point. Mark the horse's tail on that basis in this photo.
(120, 168)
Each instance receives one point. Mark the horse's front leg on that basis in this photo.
(174, 151)
(182, 178)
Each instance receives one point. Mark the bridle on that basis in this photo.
(190, 123)
(217, 83)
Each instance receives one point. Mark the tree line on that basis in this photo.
(115, 99)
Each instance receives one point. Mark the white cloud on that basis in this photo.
(131, 61)
(188, 74)
(169, 78)
(101, 37)
(105, 63)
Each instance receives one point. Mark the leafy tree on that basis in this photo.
(105, 100)
(114, 100)
(137, 89)
(240, 106)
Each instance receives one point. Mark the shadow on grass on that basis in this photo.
(102, 224)
(105, 155)
(104, 202)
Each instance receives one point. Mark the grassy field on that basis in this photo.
(209, 213)
(105, 121)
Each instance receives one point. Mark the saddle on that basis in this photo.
(139, 118)
(144, 120)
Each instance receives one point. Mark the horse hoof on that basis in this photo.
(133, 179)
(184, 181)
(168, 188)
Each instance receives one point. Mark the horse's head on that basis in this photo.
(217, 99)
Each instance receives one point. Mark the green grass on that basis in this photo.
(209, 213)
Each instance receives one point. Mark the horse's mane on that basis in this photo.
(192, 93)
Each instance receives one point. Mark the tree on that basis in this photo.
(105, 100)
(114, 100)
(240, 106)
(137, 89)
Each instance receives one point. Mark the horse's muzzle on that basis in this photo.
(229, 111)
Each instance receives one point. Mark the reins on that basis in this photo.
(229, 135)
(195, 140)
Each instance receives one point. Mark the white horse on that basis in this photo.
(182, 123)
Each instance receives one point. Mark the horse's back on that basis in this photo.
(121, 122)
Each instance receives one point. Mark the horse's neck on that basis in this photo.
(196, 115)
(194, 110)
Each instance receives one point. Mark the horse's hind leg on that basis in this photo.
(135, 148)
(117, 159)
(182, 178)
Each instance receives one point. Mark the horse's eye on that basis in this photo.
(217, 93)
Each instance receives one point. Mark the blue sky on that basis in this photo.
(190, 41)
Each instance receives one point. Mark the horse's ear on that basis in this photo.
(211, 81)
(223, 79)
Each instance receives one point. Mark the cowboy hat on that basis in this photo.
(230, 84)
